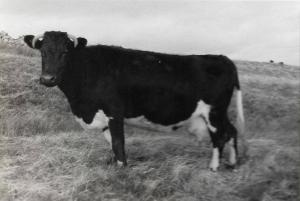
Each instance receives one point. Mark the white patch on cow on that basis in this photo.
(198, 127)
(203, 110)
(214, 163)
(119, 163)
(232, 153)
(100, 121)
(134, 121)
(107, 136)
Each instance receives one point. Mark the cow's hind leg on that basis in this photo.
(232, 138)
(218, 139)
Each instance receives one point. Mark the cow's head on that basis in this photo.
(55, 48)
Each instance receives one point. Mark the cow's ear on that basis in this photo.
(81, 42)
(28, 40)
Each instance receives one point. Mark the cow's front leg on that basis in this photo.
(116, 127)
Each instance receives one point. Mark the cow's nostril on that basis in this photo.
(52, 79)
(47, 79)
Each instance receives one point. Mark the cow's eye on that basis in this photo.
(64, 53)
(43, 54)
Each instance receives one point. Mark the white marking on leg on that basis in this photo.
(203, 110)
(107, 136)
(119, 163)
(214, 163)
(232, 153)
(100, 121)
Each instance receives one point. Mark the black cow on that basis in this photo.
(105, 85)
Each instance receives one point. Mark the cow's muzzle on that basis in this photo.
(48, 80)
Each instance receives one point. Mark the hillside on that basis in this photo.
(45, 155)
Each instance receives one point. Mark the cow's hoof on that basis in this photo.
(214, 165)
(113, 161)
(231, 166)
(120, 164)
(213, 169)
(109, 160)
(234, 170)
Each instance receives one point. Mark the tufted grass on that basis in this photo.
(20, 50)
(45, 155)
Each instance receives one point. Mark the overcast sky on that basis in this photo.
(253, 30)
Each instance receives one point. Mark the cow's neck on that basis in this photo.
(79, 76)
(71, 82)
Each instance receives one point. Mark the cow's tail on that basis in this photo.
(239, 103)
(240, 116)
(240, 111)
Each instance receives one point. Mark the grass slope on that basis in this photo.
(45, 155)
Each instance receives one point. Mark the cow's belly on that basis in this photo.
(169, 112)
(197, 123)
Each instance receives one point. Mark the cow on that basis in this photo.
(105, 85)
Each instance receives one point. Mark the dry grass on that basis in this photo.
(21, 50)
(44, 154)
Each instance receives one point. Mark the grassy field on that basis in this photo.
(45, 155)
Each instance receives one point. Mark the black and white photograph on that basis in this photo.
(149, 100)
